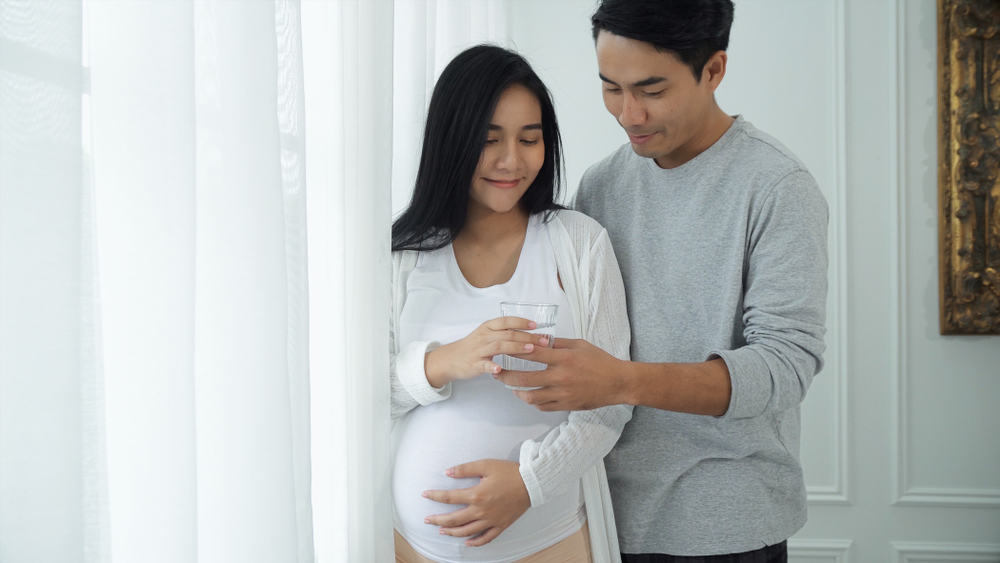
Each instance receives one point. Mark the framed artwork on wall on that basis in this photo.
(969, 166)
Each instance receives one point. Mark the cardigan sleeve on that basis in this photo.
(551, 466)
(408, 382)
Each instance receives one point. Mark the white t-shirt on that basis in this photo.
(482, 419)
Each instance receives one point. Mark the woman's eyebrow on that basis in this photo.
(495, 127)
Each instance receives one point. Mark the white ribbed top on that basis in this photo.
(482, 419)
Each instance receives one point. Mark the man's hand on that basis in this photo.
(494, 504)
(579, 376)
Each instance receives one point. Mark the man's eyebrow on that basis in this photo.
(649, 81)
(532, 126)
(645, 82)
(606, 79)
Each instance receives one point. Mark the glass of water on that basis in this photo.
(544, 315)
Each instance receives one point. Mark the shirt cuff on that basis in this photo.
(528, 451)
(750, 378)
(410, 368)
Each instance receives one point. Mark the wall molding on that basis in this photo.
(897, 252)
(906, 494)
(921, 552)
(838, 493)
(836, 550)
(954, 497)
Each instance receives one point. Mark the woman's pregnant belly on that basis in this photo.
(481, 420)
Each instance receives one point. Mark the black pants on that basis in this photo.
(777, 553)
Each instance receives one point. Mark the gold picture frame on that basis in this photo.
(969, 166)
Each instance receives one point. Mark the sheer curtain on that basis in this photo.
(349, 142)
(196, 129)
(169, 315)
(52, 495)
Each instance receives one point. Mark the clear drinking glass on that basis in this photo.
(544, 315)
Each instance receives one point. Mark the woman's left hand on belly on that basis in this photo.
(493, 505)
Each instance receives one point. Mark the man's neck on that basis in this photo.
(715, 127)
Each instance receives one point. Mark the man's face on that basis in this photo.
(655, 98)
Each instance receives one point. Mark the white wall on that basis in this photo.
(555, 37)
(899, 444)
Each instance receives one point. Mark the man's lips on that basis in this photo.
(640, 139)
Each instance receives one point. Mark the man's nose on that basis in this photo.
(633, 112)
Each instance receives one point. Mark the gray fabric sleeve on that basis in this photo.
(784, 308)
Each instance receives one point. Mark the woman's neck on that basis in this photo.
(488, 247)
(485, 228)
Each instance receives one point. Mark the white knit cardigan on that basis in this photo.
(572, 452)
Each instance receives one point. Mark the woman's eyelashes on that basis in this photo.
(528, 142)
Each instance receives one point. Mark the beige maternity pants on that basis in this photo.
(573, 549)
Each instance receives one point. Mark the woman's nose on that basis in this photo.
(508, 157)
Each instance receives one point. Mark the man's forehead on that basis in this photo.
(634, 62)
(609, 43)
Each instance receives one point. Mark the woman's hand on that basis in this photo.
(493, 505)
(473, 355)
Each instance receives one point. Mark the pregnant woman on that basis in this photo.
(478, 475)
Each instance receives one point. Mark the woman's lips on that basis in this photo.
(506, 184)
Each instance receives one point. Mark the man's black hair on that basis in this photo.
(694, 30)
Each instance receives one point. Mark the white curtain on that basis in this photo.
(196, 121)
(428, 34)
(349, 142)
(52, 494)
(194, 364)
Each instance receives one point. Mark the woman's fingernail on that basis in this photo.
(532, 325)
(528, 347)
(450, 472)
(544, 340)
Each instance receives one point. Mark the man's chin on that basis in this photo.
(644, 150)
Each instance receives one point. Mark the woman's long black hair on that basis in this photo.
(458, 118)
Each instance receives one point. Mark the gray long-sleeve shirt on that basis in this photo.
(723, 256)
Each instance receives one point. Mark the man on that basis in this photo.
(721, 236)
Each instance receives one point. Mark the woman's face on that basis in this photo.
(513, 154)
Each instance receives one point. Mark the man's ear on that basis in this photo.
(715, 69)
